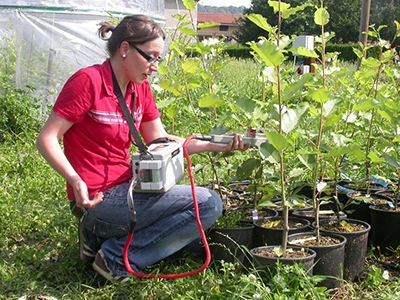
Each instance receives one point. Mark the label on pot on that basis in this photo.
(347, 226)
(254, 214)
(378, 181)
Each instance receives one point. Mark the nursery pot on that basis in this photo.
(228, 244)
(355, 249)
(310, 215)
(329, 259)
(273, 236)
(262, 260)
(385, 228)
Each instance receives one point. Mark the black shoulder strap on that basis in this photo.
(128, 117)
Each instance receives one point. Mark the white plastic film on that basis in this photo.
(42, 43)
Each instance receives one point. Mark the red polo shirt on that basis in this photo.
(97, 144)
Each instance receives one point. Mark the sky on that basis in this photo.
(245, 3)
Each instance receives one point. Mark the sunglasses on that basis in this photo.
(150, 59)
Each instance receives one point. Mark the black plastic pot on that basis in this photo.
(385, 228)
(228, 244)
(270, 262)
(329, 259)
(355, 249)
(273, 236)
(310, 216)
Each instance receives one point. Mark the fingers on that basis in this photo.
(82, 196)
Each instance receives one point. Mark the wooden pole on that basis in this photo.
(364, 24)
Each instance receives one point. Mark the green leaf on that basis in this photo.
(245, 170)
(321, 186)
(302, 51)
(189, 4)
(268, 52)
(269, 153)
(358, 53)
(365, 104)
(296, 172)
(296, 86)
(370, 62)
(210, 100)
(329, 107)
(279, 251)
(373, 156)
(275, 5)
(277, 140)
(191, 65)
(207, 25)
(308, 160)
(170, 86)
(260, 21)
(292, 117)
(246, 104)
(270, 74)
(341, 151)
(320, 95)
(321, 17)
(188, 31)
(391, 161)
(387, 55)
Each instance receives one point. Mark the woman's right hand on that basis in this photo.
(82, 196)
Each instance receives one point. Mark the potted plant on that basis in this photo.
(270, 53)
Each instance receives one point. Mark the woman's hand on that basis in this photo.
(82, 196)
(235, 144)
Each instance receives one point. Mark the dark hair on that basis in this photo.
(136, 29)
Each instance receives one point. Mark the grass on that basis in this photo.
(39, 251)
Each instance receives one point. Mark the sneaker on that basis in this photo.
(100, 266)
(86, 254)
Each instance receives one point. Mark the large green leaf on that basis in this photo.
(308, 160)
(245, 170)
(210, 100)
(188, 31)
(330, 107)
(260, 21)
(296, 86)
(277, 140)
(320, 95)
(189, 4)
(246, 104)
(275, 5)
(269, 153)
(302, 51)
(339, 151)
(321, 17)
(171, 86)
(207, 25)
(373, 156)
(268, 52)
(292, 117)
(391, 161)
(191, 65)
(365, 104)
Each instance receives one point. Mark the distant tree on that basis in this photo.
(385, 12)
(344, 19)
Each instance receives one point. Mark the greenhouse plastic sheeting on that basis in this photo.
(42, 43)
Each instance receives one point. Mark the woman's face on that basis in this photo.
(136, 64)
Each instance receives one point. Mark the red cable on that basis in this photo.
(199, 225)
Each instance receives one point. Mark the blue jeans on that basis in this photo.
(165, 223)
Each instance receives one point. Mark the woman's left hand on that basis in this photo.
(235, 144)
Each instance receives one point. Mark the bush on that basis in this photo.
(19, 115)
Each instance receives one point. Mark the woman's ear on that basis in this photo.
(123, 48)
